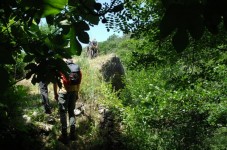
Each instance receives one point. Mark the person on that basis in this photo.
(94, 43)
(92, 49)
(43, 87)
(66, 97)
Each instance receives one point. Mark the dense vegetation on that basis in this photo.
(174, 54)
(175, 103)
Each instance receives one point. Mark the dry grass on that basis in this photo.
(34, 89)
(99, 61)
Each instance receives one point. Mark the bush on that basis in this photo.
(161, 115)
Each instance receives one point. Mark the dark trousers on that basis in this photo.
(43, 86)
(67, 103)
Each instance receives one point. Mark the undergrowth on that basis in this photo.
(27, 108)
(159, 108)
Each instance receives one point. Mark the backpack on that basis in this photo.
(74, 74)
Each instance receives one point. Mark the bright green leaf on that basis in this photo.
(58, 4)
(48, 10)
(53, 7)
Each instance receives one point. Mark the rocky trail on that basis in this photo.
(96, 125)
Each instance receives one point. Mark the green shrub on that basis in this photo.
(161, 115)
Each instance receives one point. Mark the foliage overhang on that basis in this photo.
(20, 32)
(184, 20)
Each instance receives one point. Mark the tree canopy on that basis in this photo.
(182, 21)
(20, 33)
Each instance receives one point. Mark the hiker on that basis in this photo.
(92, 49)
(66, 96)
(43, 87)
(94, 43)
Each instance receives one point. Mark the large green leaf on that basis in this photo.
(59, 40)
(75, 46)
(48, 10)
(53, 7)
(82, 25)
(59, 4)
(83, 37)
(92, 19)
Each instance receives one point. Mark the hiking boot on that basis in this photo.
(64, 139)
(72, 133)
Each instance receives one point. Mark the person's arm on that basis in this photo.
(55, 87)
